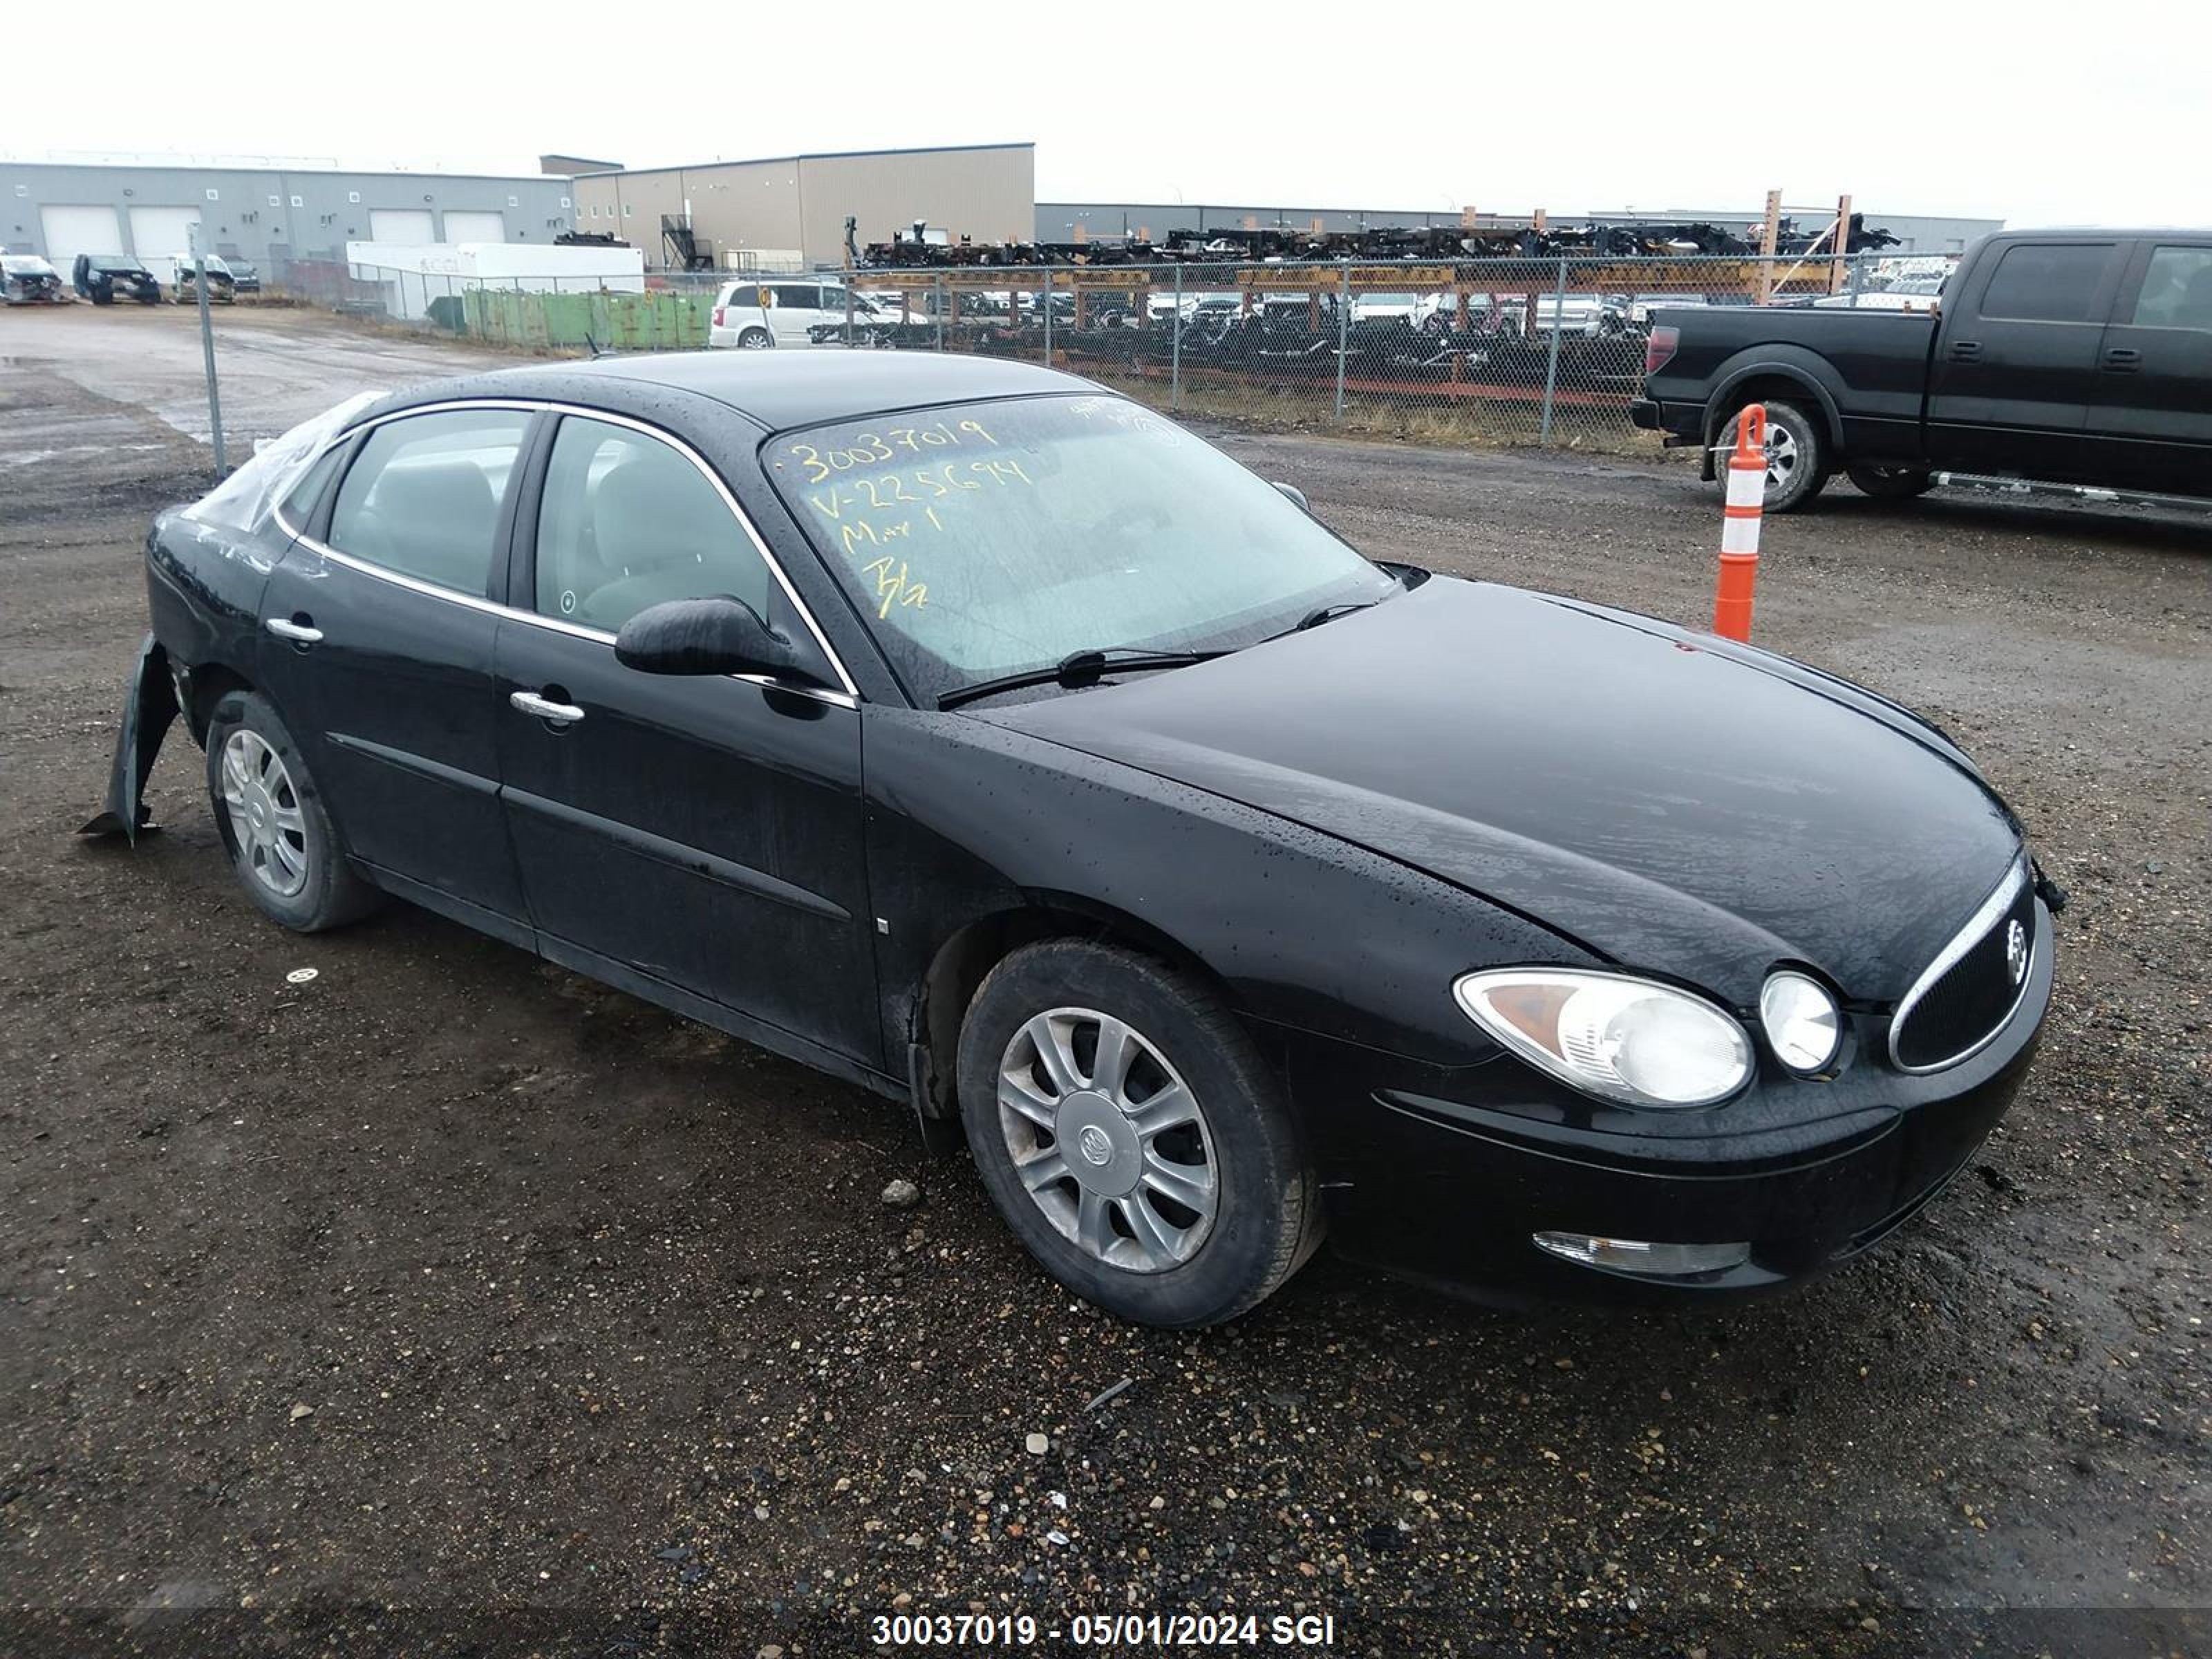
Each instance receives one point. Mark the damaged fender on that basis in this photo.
(148, 709)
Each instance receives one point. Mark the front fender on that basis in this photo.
(967, 820)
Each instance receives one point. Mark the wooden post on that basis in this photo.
(1540, 221)
(1770, 237)
(1467, 217)
(1838, 269)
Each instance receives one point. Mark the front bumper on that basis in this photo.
(1446, 1179)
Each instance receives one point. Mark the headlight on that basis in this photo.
(1624, 1039)
(1801, 1021)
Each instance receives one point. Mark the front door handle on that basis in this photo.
(1966, 351)
(298, 633)
(561, 713)
(2122, 359)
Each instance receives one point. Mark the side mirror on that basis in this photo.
(706, 636)
(1295, 497)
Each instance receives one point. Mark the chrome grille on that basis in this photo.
(1964, 999)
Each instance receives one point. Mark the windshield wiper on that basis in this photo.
(1075, 669)
(1314, 618)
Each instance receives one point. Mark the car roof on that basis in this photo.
(778, 389)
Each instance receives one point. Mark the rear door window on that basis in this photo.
(2048, 283)
(422, 496)
(2177, 290)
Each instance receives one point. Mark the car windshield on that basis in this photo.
(109, 262)
(993, 538)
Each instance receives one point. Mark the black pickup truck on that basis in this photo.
(2072, 357)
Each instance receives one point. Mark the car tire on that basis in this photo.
(1196, 1118)
(283, 845)
(755, 339)
(1797, 456)
(1890, 484)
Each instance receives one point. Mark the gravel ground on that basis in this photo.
(447, 1282)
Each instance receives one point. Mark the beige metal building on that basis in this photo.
(791, 210)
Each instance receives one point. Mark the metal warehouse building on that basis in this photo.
(271, 215)
(790, 209)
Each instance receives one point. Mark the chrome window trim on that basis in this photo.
(847, 697)
(1978, 926)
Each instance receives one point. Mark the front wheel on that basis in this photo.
(1890, 484)
(1132, 1137)
(282, 844)
(1796, 456)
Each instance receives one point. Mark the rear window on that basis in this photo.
(2047, 282)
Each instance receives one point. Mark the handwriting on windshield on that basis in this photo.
(923, 487)
(895, 585)
(872, 449)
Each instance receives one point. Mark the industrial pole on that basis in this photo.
(1343, 331)
(1552, 364)
(207, 344)
(1175, 349)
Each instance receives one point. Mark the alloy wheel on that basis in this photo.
(1108, 1140)
(1782, 456)
(265, 817)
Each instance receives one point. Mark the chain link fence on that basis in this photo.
(1542, 351)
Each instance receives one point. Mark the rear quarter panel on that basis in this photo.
(203, 587)
(1865, 372)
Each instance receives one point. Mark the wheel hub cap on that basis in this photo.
(1108, 1139)
(265, 817)
(1106, 1154)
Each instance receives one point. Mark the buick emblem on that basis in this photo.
(2016, 952)
(1097, 1146)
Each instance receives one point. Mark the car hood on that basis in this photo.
(1666, 799)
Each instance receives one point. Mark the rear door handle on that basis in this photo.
(300, 634)
(561, 713)
(2122, 359)
(1966, 351)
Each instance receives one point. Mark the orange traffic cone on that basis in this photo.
(1746, 495)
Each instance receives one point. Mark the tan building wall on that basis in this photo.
(988, 192)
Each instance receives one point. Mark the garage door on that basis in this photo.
(70, 231)
(162, 233)
(475, 227)
(408, 227)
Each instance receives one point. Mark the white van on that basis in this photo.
(756, 314)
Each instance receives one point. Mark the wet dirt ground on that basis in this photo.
(447, 1282)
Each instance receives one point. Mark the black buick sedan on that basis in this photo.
(982, 736)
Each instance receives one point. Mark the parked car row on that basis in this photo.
(104, 278)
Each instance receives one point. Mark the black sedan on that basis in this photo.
(986, 739)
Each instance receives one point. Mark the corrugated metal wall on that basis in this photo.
(267, 213)
(988, 192)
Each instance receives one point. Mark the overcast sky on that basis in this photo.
(2039, 113)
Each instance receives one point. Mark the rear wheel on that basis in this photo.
(1890, 484)
(282, 844)
(1132, 1137)
(1796, 456)
(755, 339)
